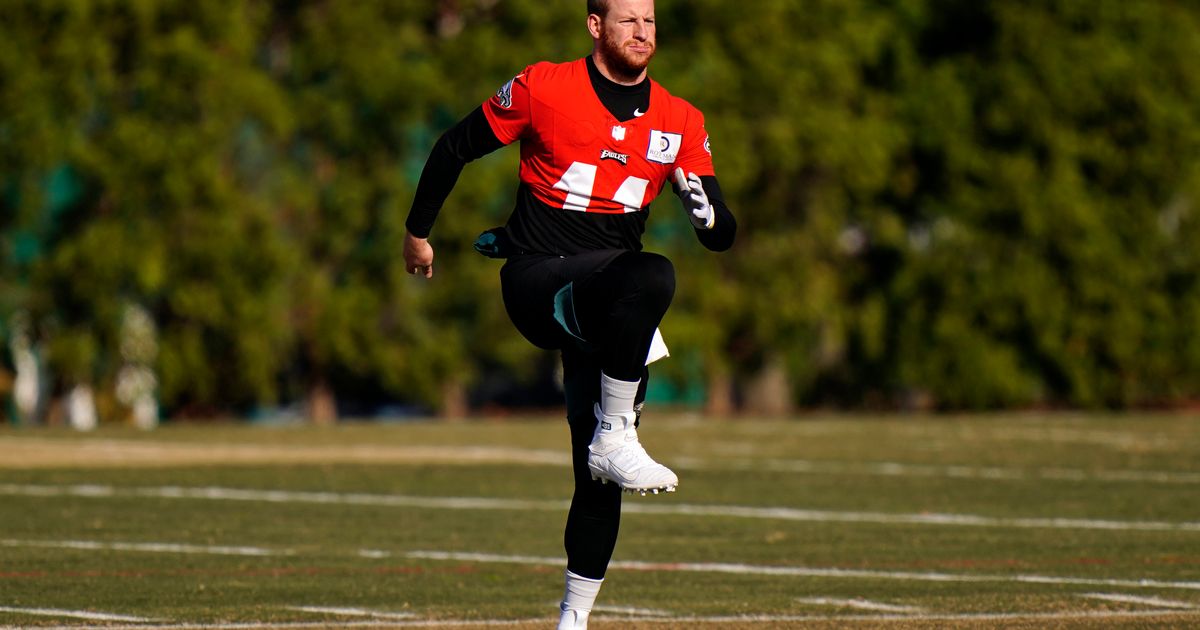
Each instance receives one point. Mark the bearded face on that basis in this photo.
(627, 41)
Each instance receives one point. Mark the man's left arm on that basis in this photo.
(695, 182)
(705, 204)
(720, 236)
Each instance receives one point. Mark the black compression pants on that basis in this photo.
(619, 298)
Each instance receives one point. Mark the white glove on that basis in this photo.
(695, 200)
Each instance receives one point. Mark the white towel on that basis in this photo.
(658, 348)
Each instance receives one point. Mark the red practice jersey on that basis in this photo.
(577, 157)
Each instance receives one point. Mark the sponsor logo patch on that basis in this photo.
(607, 426)
(613, 155)
(664, 146)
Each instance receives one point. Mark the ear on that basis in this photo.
(594, 24)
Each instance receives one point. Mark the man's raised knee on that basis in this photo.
(655, 276)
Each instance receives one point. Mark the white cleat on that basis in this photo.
(616, 455)
(573, 620)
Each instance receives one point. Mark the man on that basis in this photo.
(599, 140)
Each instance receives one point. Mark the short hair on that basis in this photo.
(598, 7)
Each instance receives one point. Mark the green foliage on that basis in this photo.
(961, 204)
(977, 205)
(1053, 202)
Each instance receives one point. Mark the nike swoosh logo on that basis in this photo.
(638, 113)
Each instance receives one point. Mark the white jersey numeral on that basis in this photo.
(631, 193)
(579, 180)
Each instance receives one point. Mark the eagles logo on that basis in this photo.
(613, 155)
(504, 94)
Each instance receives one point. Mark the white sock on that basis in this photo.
(580, 594)
(616, 397)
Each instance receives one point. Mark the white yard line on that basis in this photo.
(634, 565)
(898, 469)
(147, 547)
(1115, 439)
(304, 625)
(733, 619)
(628, 611)
(75, 614)
(29, 451)
(886, 518)
(631, 611)
(928, 618)
(282, 496)
(860, 604)
(352, 612)
(794, 571)
(42, 452)
(1156, 602)
(630, 507)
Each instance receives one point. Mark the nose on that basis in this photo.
(640, 30)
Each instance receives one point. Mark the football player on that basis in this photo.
(599, 140)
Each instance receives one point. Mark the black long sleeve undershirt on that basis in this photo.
(720, 237)
(473, 138)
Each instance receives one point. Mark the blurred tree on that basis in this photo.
(133, 109)
(804, 141)
(960, 204)
(1051, 231)
(368, 115)
(339, 191)
(957, 204)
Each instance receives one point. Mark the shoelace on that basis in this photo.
(632, 457)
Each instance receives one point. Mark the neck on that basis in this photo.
(612, 75)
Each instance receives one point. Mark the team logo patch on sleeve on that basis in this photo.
(504, 94)
(664, 146)
(707, 146)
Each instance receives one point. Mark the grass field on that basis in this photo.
(1014, 521)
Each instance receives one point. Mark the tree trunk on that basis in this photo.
(769, 393)
(322, 406)
(719, 402)
(454, 401)
(81, 408)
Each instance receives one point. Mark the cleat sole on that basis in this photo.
(645, 491)
(596, 476)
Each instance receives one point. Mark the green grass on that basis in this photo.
(860, 475)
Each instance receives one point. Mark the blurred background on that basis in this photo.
(942, 205)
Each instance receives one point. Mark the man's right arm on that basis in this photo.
(470, 139)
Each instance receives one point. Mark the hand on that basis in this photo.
(418, 255)
(695, 200)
